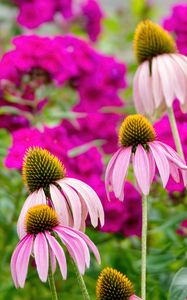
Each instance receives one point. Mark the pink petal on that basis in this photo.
(74, 202)
(156, 84)
(41, 254)
(60, 204)
(145, 88)
(134, 297)
(151, 166)
(181, 61)
(166, 79)
(109, 171)
(136, 93)
(84, 213)
(174, 172)
(14, 259)
(81, 244)
(75, 249)
(90, 244)
(22, 261)
(90, 198)
(142, 169)
(179, 80)
(172, 155)
(33, 199)
(52, 260)
(161, 162)
(59, 253)
(120, 172)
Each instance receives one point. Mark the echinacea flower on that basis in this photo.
(41, 227)
(112, 284)
(162, 74)
(138, 145)
(45, 178)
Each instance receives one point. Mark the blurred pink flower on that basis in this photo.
(54, 62)
(86, 13)
(176, 22)
(182, 228)
(39, 241)
(35, 12)
(122, 217)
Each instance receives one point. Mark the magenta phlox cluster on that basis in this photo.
(87, 13)
(176, 22)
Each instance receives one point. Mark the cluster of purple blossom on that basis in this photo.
(86, 13)
(60, 61)
(67, 61)
(176, 22)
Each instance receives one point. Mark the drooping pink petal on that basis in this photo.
(172, 155)
(22, 261)
(84, 213)
(156, 84)
(14, 260)
(74, 202)
(33, 199)
(179, 80)
(181, 61)
(145, 88)
(151, 166)
(90, 244)
(120, 172)
(90, 198)
(109, 171)
(161, 162)
(75, 249)
(59, 253)
(166, 80)
(60, 204)
(41, 255)
(174, 172)
(184, 176)
(52, 260)
(142, 169)
(80, 243)
(139, 105)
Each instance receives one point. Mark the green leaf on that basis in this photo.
(178, 288)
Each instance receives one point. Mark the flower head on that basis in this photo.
(161, 76)
(41, 224)
(151, 40)
(41, 168)
(72, 199)
(138, 144)
(136, 130)
(112, 284)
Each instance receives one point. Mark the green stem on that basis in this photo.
(175, 132)
(52, 284)
(81, 282)
(144, 247)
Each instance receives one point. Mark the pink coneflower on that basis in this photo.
(138, 145)
(41, 224)
(162, 74)
(73, 200)
(112, 284)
